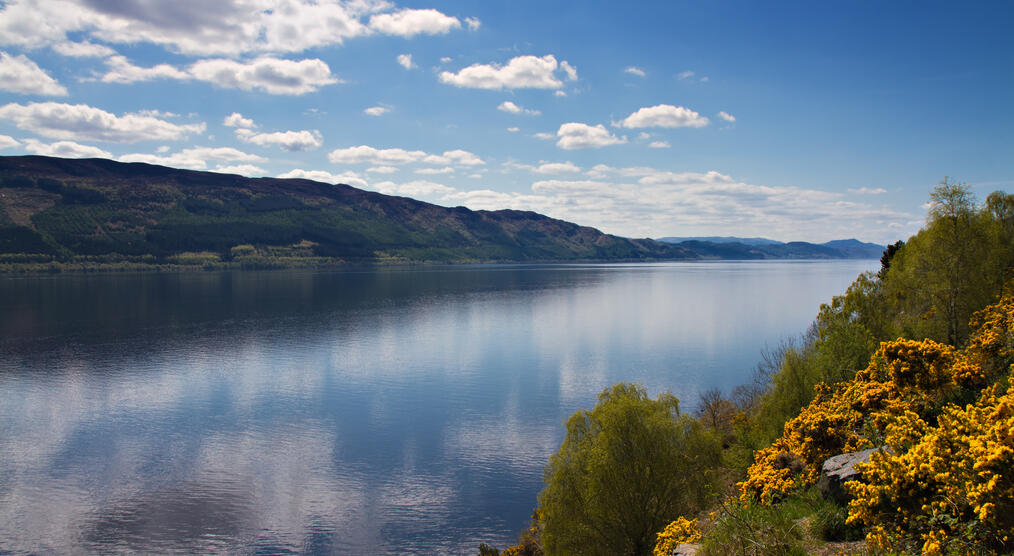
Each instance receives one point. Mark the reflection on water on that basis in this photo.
(370, 412)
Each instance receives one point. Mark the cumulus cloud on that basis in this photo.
(65, 149)
(634, 70)
(513, 129)
(560, 94)
(80, 122)
(557, 168)
(242, 169)
(82, 49)
(457, 156)
(544, 136)
(664, 115)
(376, 110)
(237, 120)
(409, 23)
(405, 61)
(659, 144)
(646, 202)
(122, 71)
(573, 135)
(347, 178)
(432, 171)
(215, 28)
(193, 159)
(419, 188)
(382, 169)
(271, 75)
(868, 191)
(291, 141)
(18, 74)
(364, 154)
(511, 108)
(521, 72)
(6, 142)
(727, 117)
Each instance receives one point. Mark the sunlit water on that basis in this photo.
(390, 411)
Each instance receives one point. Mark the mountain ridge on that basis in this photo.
(99, 211)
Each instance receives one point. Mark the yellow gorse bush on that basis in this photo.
(681, 531)
(945, 482)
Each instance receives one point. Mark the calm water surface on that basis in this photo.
(390, 411)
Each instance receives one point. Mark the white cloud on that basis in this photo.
(364, 154)
(376, 110)
(271, 75)
(433, 171)
(544, 136)
(122, 71)
(511, 108)
(292, 141)
(382, 169)
(237, 120)
(215, 28)
(659, 203)
(727, 117)
(86, 123)
(457, 156)
(6, 142)
(659, 144)
(664, 115)
(405, 61)
(242, 169)
(445, 59)
(868, 191)
(18, 74)
(409, 23)
(686, 74)
(559, 93)
(557, 168)
(65, 149)
(82, 49)
(513, 129)
(473, 23)
(583, 136)
(570, 70)
(634, 70)
(520, 72)
(194, 159)
(419, 188)
(348, 178)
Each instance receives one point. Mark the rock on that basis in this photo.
(838, 470)
(686, 549)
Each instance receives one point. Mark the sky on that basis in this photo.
(789, 120)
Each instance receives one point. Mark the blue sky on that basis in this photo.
(790, 120)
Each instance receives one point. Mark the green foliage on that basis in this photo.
(625, 469)
(952, 267)
(748, 530)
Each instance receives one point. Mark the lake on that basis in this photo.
(406, 411)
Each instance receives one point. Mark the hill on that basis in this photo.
(728, 247)
(101, 210)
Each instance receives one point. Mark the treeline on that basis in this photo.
(913, 361)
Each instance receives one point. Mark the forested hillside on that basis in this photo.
(100, 211)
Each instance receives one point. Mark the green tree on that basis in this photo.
(947, 271)
(625, 469)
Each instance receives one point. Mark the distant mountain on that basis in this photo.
(722, 239)
(97, 210)
(761, 248)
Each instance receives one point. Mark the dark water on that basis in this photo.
(393, 411)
